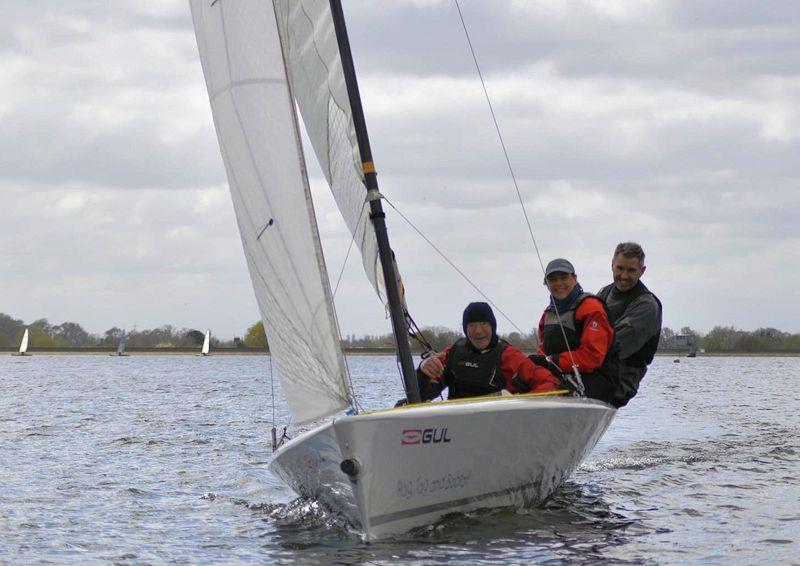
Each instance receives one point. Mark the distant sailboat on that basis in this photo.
(206, 343)
(23, 346)
(121, 347)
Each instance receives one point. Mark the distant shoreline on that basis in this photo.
(348, 351)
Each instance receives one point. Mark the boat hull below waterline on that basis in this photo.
(410, 466)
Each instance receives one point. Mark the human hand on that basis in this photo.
(539, 360)
(547, 363)
(519, 382)
(432, 367)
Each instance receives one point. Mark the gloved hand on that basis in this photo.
(521, 385)
(539, 360)
(546, 363)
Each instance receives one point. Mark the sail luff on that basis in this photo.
(312, 218)
(376, 209)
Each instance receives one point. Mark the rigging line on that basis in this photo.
(500, 136)
(508, 162)
(453, 265)
(272, 388)
(349, 248)
(356, 404)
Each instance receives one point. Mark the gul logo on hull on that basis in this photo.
(411, 436)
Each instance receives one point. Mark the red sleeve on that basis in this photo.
(514, 362)
(596, 338)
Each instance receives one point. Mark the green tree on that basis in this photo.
(72, 333)
(9, 328)
(194, 337)
(720, 338)
(111, 337)
(255, 337)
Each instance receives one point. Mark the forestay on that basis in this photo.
(258, 135)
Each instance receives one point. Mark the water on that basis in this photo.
(154, 459)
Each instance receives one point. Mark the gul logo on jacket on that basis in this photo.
(414, 436)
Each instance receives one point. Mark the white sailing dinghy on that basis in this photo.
(23, 345)
(206, 344)
(388, 471)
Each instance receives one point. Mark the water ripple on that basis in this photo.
(163, 459)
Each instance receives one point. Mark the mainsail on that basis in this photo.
(206, 343)
(318, 85)
(258, 135)
(121, 345)
(23, 346)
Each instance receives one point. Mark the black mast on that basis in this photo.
(376, 209)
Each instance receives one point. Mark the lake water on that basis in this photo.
(154, 459)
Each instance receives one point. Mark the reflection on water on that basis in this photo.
(163, 458)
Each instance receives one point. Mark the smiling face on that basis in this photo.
(480, 334)
(561, 284)
(627, 271)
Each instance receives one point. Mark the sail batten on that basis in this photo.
(250, 95)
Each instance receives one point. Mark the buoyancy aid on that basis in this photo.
(552, 335)
(602, 383)
(617, 305)
(469, 373)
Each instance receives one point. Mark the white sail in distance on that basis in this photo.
(206, 343)
(23, 346)
(258, 134)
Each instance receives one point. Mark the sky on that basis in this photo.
(675, 124)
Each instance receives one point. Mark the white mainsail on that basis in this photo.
(318, 85)
(206, 343)
(258, 135)
(23, 346)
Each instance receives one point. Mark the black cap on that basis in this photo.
(479, 312)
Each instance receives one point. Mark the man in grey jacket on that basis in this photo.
(635, 313)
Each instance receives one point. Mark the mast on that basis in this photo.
(377, 215)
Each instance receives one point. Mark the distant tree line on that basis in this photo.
(42, 334)
(72, 335)
(729, 339)
(437, 336)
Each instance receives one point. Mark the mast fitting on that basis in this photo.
(374, 194)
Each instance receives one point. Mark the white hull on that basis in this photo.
(416, 464)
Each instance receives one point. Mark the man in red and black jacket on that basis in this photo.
(481, 363)
(575, 331)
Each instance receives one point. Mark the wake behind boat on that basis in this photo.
(390, 470)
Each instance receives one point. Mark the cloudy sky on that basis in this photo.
(672, 123)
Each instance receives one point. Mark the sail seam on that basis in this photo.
(243, 82)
